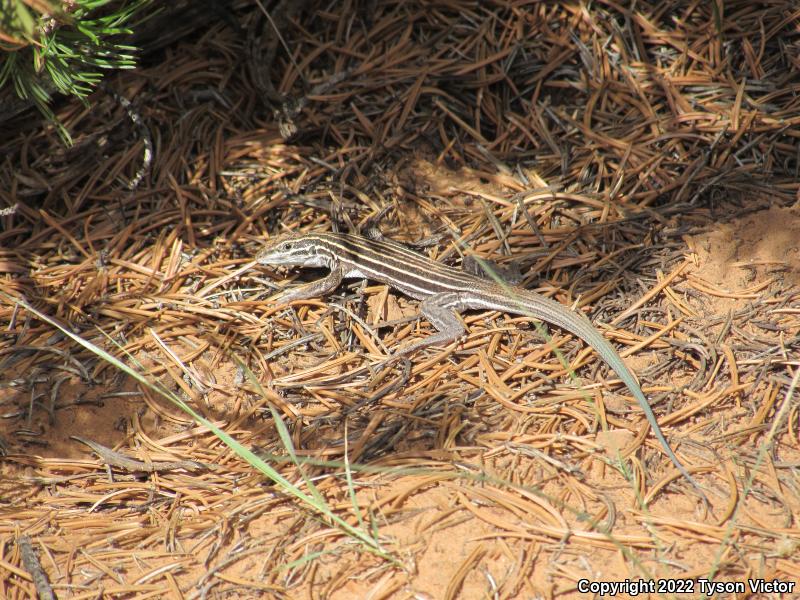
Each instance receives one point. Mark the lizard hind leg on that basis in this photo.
(442, 311)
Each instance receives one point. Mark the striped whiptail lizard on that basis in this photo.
(444, 292)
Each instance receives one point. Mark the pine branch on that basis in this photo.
(63, 47)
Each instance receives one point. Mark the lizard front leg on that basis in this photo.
(320, 287)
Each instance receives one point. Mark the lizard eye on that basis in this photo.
(288, 246)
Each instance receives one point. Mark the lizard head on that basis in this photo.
(300, 250)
